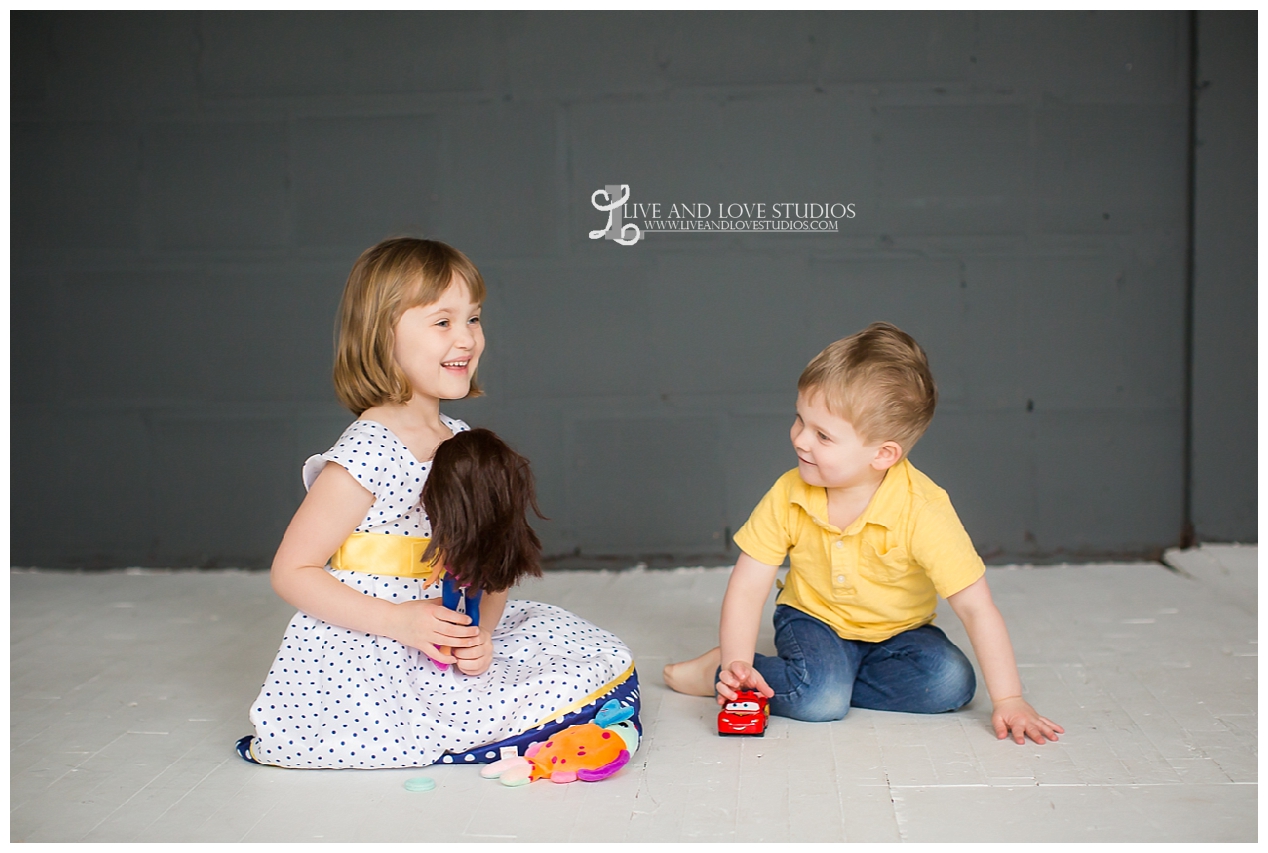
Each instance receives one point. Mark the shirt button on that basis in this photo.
(840, 544)
(840, 578)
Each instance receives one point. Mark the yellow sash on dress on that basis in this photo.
(386, 554)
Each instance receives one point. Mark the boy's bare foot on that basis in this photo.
(694, 677)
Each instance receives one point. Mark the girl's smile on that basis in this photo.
(438, 346)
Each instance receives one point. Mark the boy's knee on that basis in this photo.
(952, 685)
(813, 705)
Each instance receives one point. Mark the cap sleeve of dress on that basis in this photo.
(361, 450)
(454, 424)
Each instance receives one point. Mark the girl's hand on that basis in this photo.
(426, 625)
(473, 660)
(740, 676)
(1015, 714)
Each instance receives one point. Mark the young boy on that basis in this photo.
(873, 543)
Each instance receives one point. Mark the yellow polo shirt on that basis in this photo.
(880, 576)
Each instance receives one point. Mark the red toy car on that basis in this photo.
(745, 715)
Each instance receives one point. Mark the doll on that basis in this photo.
(477, 495)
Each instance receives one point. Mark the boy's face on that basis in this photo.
(830, 453)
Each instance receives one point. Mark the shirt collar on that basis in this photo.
(885, 507)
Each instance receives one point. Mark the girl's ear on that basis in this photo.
(887, 455)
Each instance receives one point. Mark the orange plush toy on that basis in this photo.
(587, 752)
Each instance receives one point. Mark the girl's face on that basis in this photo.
(438, 346)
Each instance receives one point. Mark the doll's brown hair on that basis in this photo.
(477, 496)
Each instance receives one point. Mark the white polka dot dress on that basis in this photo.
(341, 698)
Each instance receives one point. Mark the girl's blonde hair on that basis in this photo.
(385, 282)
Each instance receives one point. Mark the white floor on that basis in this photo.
(127, 691)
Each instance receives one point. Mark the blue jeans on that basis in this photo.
(817, 676)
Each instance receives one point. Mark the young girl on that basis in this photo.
(354, 683)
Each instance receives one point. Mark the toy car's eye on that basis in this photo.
(741, 706)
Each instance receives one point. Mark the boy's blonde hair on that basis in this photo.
(878, 380)
(385, 282)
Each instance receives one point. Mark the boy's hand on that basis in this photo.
(740, 676)
(473, 660)
(1015, 715)
(427, 624)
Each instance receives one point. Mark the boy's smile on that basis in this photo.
(830, 454)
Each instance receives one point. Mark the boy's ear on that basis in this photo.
(887, 455)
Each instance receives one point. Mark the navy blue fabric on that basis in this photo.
(244, 748)
(626, 693)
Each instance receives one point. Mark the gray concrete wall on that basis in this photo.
(1225, 278)
(190, 190)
